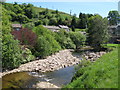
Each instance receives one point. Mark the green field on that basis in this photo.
(101, 74)
(112, 45)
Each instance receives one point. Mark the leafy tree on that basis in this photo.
(17, 9)
(29, 11)
(113, 17)
(48, 16)
(45, 21)
(97, 31)
(11, 52)
(78, 39)
(82, 21)
(40, 30)
(53, 21)
(22, 18)
(25, 36)
(60, 20)
(27, 54)
(73, 23)
(39, 22)
(30, 26)
(64, 40)
(46, 43)
(42, 47)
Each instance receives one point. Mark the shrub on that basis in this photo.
(11, 52)
(29, 25)
(25, 36)
(39, 22)
(46, 44)
(27, 55)
(64, 40)
(78, 39)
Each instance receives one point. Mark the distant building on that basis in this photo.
(57, 28)
(66, 28)
(114, 32)
(52, 28)
(16, 27)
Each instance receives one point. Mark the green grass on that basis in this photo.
(62, 14)
(82, 30)
(101, 74)
(112, 45)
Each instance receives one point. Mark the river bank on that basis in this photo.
(61, 59)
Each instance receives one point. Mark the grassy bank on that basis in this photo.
(101, 74)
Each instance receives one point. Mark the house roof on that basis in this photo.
(51, 27)
(17, 25)
(64, 27)
(113, 26)
(118, 25)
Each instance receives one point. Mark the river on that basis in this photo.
(29, 79)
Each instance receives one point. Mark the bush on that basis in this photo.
(27, 54)
(64, 40)
(29, 25)
(39, 22)
(25, 36)
(11, 52)
(46, 44)
(78, 39)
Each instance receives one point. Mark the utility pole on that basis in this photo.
(70, 12)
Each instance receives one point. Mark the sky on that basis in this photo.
(101, 7)
(62, 0)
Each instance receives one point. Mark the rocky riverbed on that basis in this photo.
(56, 61)
(61, 59)
(45, 85)
(93, 56)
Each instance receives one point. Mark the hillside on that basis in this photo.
(27, 13)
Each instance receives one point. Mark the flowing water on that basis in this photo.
(28, 79)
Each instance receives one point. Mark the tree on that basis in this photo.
(45, 21)
(30, 25)
(22, 18)
(11, 52)
(82, 21)
(97, 31)
(60, 20)
(46, 43)
(53, 21)
(78, 39)
(39, 22)
(25, 36)
(29, 12)
(73, 23)
(64, 40)
(113, 17)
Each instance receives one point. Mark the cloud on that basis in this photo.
(63, 0)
